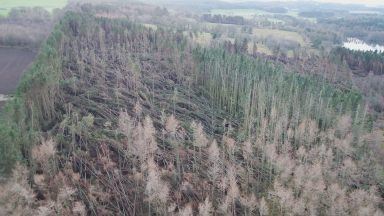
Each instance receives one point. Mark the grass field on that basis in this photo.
(7, 5)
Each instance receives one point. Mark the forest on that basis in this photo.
(368, 62)
(122, 113)
(238, 20)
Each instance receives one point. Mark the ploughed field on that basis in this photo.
(13, 62)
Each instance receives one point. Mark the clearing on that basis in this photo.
(261, 48)
(203, 38)
(280, 34)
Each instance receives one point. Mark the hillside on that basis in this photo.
(116, 118)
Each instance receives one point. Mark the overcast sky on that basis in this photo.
(366, 2)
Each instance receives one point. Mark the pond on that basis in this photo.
(359, 45)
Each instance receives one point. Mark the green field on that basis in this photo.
(7, 5)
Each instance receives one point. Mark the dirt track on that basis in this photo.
(13, 63)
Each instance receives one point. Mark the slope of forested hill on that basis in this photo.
(115, 118)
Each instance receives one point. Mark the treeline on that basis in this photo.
(368, 28)
(277, 10)
(316, 14)
(26, 27)
(223, 19)
(33, 106)
(28, 15)
(364, 62)
(364, 22)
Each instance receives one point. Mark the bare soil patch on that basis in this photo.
(13, 63)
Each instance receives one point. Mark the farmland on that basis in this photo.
(13, 62)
